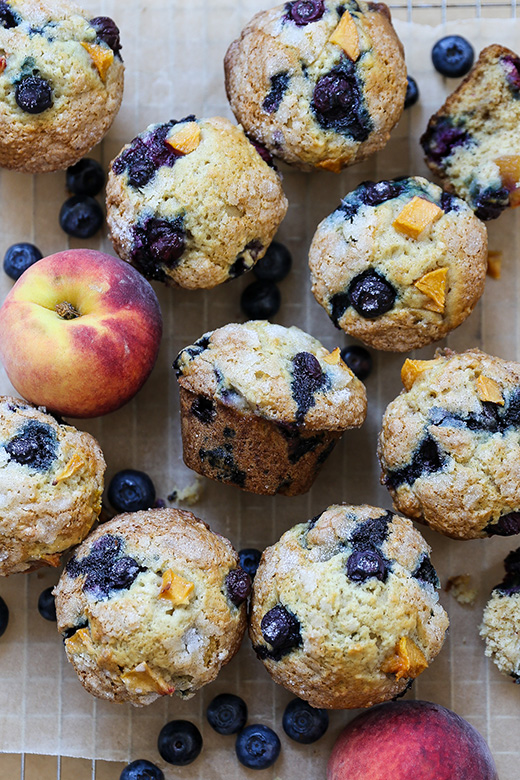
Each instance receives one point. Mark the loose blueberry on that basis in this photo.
(303, 12)
(179, 742)
(227, 713)
(371, 294)
(131, 491)
(81, 216)
(280, 628)
(275, 264)
(141, 770)
(260, 300)
(4, 616)
(86, 177)
(108, 31)
(453, 56)
(19, 257)
(249, 558)
(8, 18)
(33, 94)
(358, 359)
(303, 723)
(35, 446)
(257, 746)
(238, 585)
(46, 605)
(364, 564)
(412, 92)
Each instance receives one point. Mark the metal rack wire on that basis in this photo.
(32, 767)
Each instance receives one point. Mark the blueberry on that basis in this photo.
(372, 193)
(412, 92)
(81, 216)
(427, 459)
(249, 559)
(453, 56)
(490, 203)
(507, 525)
(426, 573)
(4, 616)
(227, 713)
(131, 491)
(86, 177)
(260, 300)
(19, 257)
(108, 31)
(238, 585)
(179, 742)
(307, 379)
(303, 12)
(279, 84)
(280, 628)
(512, 563)
(303, 723)
(46, 605)
(442, 137)
(158, 242)
(364, 564)
(371, 294)
(204, 409)
(275, 264)
(449, 202)
(511, 66)
(257, 747)
(104, 568)
(8, 17)
(338, 104)
(141, 770)
(35, 446)
(358, 359)
(33, 94)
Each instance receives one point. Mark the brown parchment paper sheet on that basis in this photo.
(173, 52)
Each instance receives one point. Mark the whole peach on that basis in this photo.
(79, 333)
(410, 740)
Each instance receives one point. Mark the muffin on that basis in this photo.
(193, 203)
(150, 604)
(450, 444)
(344, 609)
(61, 83)
(262, 406)
(472, 141)
(500, 627)
(320, 84)
(399, 264)
(51, 483)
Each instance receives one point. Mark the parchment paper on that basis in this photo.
(173, 52)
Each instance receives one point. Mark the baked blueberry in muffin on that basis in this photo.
(319, 83)
(61, 83)
(472, 141)
(262, 406)
(501, 620)
(192, 203)
(450, 444)
(51, 483)
(151, 603)
(399, 263)
(344, 608)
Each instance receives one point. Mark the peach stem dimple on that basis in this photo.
(66, 310)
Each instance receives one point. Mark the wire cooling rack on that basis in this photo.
(39, 767)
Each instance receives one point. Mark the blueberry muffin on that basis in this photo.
(51, 483)
(61, 83)
(193, 203)
(450, 444)
(262, 406)
(319, 83)
(399, 263)
(500, 627)
(150, 604)
(344, 609)
(472, 142)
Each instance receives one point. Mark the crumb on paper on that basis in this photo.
(188, 495)
(461, 588)
(494, 267)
